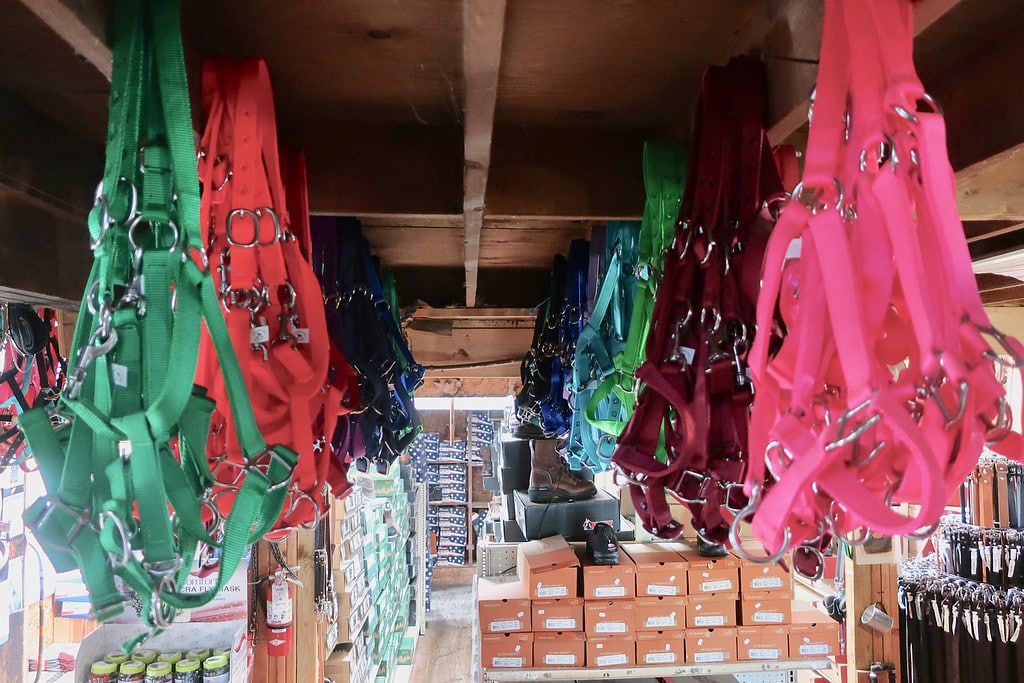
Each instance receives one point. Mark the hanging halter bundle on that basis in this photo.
(364, 329)
(535, 371)
(696, 393)
(883, 391)
(268, 291)
(119, 501)
(602, 338)
(664, 173)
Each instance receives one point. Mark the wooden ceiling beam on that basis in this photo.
(791, 76)
(82, 25)
(483, 28)
(993, 189)
(427, 312)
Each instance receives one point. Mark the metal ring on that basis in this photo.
(737, 544)
(161, 614)
(818, 556)
(126, 546)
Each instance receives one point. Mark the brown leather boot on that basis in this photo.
(551, 481)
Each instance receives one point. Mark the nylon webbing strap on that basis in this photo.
(110, 468)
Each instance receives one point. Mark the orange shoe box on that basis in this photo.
(660, 647)
(660, 569)
(549, 568)
(767, 608)
(757, 578)
(559, 649)
(604, 582)
(661, 613)
(762, 643)
(609, 652)
(559, 614)
(506, 650)
(712, 611)
(712, 574)
(603, 618)
(711, 645)
(812, 635)
(503, 606)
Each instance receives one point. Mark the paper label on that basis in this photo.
(562, 660)
(662, 590)
(613, 660)
(259, 334)
(610, 627)
(712, 586)
(688, 353)
(507, 625)
(796, 246)
(814, 649)
(710, 621)
(119, 373)
(301, 335)
(610, 591)
(703, 657)
(560, 624)
(660, 622)
(660, 658)
(768, 617)
(763, 653)
(279, 608)
(508, 662)
(552, 591)
(767, 582)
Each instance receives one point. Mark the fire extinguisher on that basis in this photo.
(279, 616)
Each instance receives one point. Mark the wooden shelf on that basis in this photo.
(570, 674)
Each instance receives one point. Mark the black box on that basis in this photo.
(515, 465)
(571, 520)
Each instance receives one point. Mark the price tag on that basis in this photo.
(706, 657)
(768, 617)
(260, 334)
(612, 660)
(660, 658)
(301, 335)
(119, 373)
(507, 662)
(507, 625)
(610, 627)
(560, 624)
(796, 246)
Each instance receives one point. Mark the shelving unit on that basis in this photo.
(569, 674)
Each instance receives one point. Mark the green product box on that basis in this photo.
(406, 650)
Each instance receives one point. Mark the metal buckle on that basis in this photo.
(126, 546)
(702, 480)
(266, 458)
(845, 439)
(82, 521)
(230, 233)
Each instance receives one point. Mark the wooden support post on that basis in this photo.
(868, 584)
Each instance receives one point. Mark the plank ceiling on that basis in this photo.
(476, 138)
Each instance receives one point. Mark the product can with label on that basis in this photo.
(132, 671)
(187, 671)
(103, 672)
(216, 669)
(159, 672)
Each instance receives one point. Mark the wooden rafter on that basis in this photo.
(79, 23)
(483, 28)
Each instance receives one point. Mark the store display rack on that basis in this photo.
(648, 672)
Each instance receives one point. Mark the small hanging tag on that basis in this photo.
(260, 334)
(688, 353)
(119, 374)
(795, 248)
(301, 335)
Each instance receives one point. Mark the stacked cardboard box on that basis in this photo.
(663, 604)
(447, 515)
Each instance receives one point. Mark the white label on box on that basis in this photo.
(660, 622)
(561, 624)
(654, 589)
(610, 591)
(660, 658)
(552, 591)
(508, 662)
(767, 582)
(763, 653)
(612, 660)
(610, 627)
(768, 617)
(721, 585)
(507, 625)
(710, 621)
(814, 649)
(562, 660)
(703, 657)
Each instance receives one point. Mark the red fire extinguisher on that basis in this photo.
(279, 616)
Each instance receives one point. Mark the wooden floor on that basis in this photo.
(445, 653)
